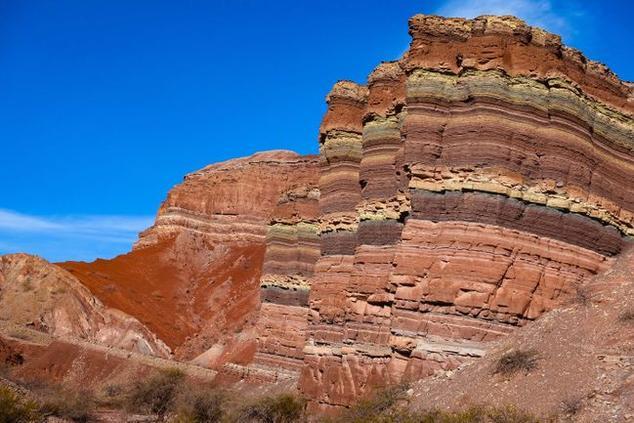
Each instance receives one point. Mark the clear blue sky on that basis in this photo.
(106, 104)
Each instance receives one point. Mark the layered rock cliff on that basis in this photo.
(193, 277)
(470, 187)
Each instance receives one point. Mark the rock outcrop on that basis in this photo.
(471, 186)
(40, 295)
(584, 363)
(193, 277)
(292, 249)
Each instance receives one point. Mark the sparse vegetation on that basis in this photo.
(157, 393)
(381, 403)
(627, 316)
(582, 296)
(200, 406)
(387, 407)
(77, 406)
(284, 408)
(516, 361)
(13, 409)
(571, 406)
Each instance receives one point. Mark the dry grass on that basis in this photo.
(387, 406)
(14, 409)
(76, 406)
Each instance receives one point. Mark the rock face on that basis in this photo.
(38, 294)
(471, 186)
(292, 248)
(193, 277)
(583, 357)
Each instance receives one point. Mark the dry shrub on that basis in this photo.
(627, 317)
(156, 394)
(582, 296)
(15, 410)
(382, 404)
(200, 405)
(516, 361)
(77, 406)
(284, 408)
(571, 406)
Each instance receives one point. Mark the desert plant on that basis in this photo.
(157, 393)
(627, 316)
(475, 414)
(283, 408)
(76, 406)
(15, 410)
(204, 405)
(571, 406)
(515, 361)
(380, 405)
(582, 295)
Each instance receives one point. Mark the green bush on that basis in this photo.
(284, 408)
(15, 410)
(515, 361)
(157, 393)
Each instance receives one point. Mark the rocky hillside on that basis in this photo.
(40, 295)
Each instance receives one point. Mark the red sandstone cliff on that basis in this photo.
(193, 277)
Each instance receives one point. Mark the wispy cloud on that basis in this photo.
(79, 237)
(535, 12)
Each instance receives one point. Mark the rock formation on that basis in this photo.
(471, 186)
(40, 295)
(193, 277)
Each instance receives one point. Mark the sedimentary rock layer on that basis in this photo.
(193, 277)
(292, 248)
(493, 168)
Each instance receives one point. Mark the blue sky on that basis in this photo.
(106, 104)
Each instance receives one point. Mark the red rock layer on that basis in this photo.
(193, 277)
(492, 181)
(292, 248)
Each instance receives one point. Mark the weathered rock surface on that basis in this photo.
(292, 248)
(40, 295)
(584, 358)
(193, 277)
(473, 186)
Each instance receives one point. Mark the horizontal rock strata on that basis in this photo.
(194, 277)
(292, 248)
(472, 187)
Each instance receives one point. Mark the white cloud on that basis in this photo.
(535, 12)
(104, 229)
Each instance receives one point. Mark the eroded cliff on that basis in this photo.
(470, 187)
